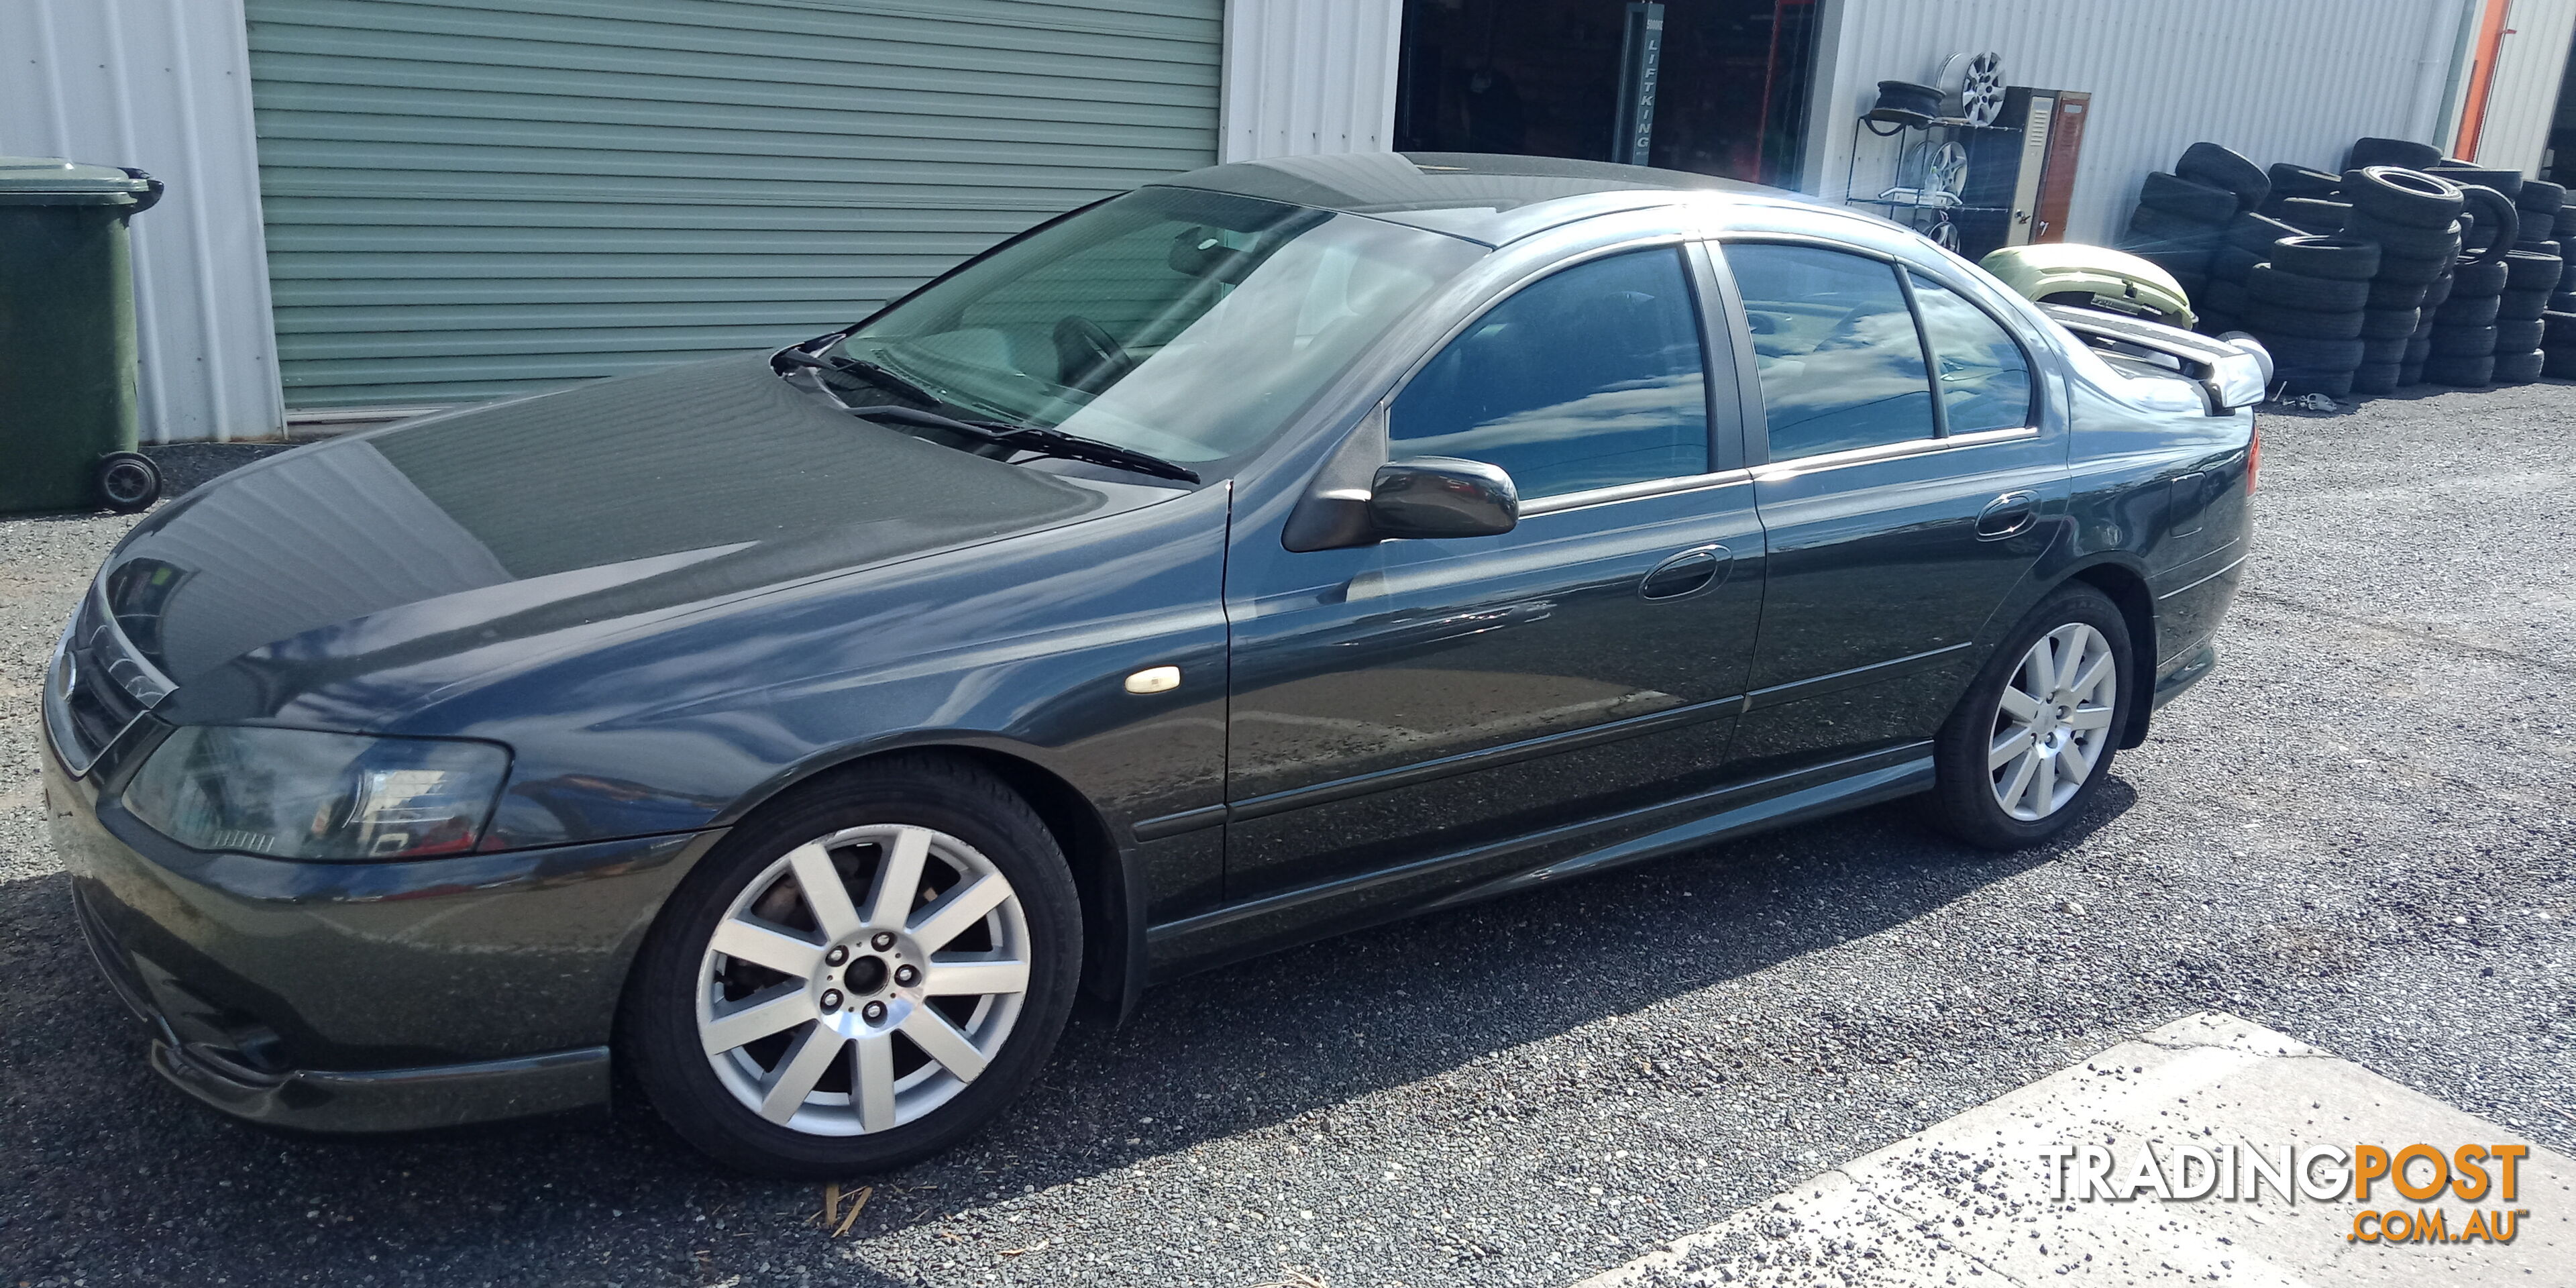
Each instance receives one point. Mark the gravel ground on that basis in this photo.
(2357, 832)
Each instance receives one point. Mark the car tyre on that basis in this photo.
(1975, 759)
(2406, 153)
(2376, 377)
(2299, 181)
(2499, 221)
(2278, 319)
(2520, 368)
(2400, 241)
(909, 1010)
(2278, 283)
(2218, 167)
(2257, 233)
(2198, 202)
(2323, 355)
(2469, 310)
(2309, 215)
(2389, 324)
(2522, 305)
(2346, 259)
(2460, 372)
(2403, 197)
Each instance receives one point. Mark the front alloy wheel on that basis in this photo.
(860, 975)
(836, 1015)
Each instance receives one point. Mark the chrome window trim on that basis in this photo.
(1823, 461)
(1565, 501)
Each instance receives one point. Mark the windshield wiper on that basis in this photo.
(1043, 442)
(861, 368)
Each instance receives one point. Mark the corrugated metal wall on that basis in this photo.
(2279, 80)
(2524, 97)
(1310, 76)
(472, 198)
(161, 84)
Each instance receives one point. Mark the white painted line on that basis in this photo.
(1968, 1201)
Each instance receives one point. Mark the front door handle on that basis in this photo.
(2009, 515)
(1687, 573)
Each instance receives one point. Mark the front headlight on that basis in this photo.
(299, 794)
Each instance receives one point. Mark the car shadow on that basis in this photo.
(1231, 1051)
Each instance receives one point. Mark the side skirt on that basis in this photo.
(1248, 929)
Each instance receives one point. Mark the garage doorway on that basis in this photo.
(1546, 77)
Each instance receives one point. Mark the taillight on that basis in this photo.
(2253, 458)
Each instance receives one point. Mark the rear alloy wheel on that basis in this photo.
(2033, 737)
(859, 978)
(2053, 722)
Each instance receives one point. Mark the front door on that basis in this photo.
(1398, 705)
(1898, 524)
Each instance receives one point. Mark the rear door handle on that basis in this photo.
(2009, 515)
(1689, 572)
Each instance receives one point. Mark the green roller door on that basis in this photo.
(473, 198)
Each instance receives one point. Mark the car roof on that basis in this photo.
(1480, 197)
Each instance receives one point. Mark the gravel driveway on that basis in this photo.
(2357, 832)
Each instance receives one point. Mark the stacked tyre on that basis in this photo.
(2182, 215)
(2307, 304)
(2558, 344)
(2562, 229)
(2558, 325)
(2414, 220)
(2464, 335)
(2535, 275)
(2247, 242)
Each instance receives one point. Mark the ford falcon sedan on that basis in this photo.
(1264, 553)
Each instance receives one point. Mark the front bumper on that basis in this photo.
(365, 997)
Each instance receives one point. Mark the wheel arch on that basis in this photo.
(1113, 941)
(2127, 588)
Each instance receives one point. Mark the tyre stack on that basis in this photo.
(2558, 325)
(2562, 229)
(2414, 221)
(2247, 242)
(2464, 335)
(2307, 304)
(2558, 343)
(2182, 216)
(2535, 273)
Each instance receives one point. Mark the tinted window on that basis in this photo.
(1841, 363)
(1985, 382)
(1589, 378)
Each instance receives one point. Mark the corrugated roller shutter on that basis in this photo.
(472, 198)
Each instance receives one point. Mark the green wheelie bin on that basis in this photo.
(67, 380)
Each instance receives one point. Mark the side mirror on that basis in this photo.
(1441, 496)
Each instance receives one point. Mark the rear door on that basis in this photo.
(1402, 704)
(1897, 521)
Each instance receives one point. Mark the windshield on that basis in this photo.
(1187, 324)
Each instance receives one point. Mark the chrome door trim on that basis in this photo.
(1565, 501)
(1823, 461)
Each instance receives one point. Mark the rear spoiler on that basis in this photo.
(2233, 371)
